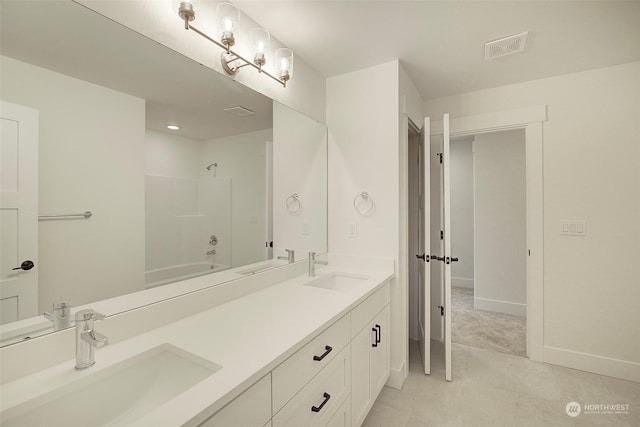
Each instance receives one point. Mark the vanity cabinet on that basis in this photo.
(316, 403)
(370, 353)
(342, 417)
(251, 409)
(330, 382)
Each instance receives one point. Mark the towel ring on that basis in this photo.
(293, 204)
(366, 198)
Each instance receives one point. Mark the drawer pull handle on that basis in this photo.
(323, 355)
(379, 334)
(376, 341)
(326, 396)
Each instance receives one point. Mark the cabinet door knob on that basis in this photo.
(327, 349)
(326, 396)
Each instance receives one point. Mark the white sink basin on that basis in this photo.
(340, 282)
(117, 395)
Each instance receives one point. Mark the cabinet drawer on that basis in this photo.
(316, 403)
(251, 409)
(342, 417)
(364, 312)
(292, 374)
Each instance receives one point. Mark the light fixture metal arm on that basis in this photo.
(230, 51)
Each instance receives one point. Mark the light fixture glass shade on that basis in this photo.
(284, 64)
(260, 39)
(228, 18)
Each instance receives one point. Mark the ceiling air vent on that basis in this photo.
(239, 111)
(505, 46)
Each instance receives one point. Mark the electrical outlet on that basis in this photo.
(573, 228)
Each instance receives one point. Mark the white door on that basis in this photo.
(18, 212)
(448, 259)
(424, 314)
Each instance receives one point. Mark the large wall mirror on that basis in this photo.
(172, 211)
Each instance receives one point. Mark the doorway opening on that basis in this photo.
(489, 236)
(435, 296)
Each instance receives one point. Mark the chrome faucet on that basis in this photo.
(312, 264)
(87, 338)
(60, 315)
(291, 256)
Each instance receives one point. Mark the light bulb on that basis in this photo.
(228, 24)
(284, 61)
(228, 17)
(260, 38)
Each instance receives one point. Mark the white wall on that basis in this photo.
(243, 159)
(363, 117)
(461, 153)
(500, 222)
(91, 155)
(591, 173)
(299, 166)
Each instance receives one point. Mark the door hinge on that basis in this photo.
(440, 156)
(441, 235)
(441, 307)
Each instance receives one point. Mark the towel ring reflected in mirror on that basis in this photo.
(293, 204)
(363, 204)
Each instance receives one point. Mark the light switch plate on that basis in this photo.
(573, 228)
(352, 230)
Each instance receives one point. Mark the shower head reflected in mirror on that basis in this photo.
(214, 166)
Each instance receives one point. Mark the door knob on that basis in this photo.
(439, 258)
(424, 257)
(26, 265)
(452, 259)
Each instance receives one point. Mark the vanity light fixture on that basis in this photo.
(173, 127)
(228, 18)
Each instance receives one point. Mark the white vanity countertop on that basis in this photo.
(14, 332)
(248, 337)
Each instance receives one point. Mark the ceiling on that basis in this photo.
(441, 43)
(70, 39)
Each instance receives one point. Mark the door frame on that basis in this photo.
(530, 119)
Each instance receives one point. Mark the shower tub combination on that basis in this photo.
(165, 275)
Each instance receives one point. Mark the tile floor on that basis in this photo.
(496, 389)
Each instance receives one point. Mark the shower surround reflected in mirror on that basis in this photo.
(157, 195)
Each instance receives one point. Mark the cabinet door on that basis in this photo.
(380, 363)
(360, 375)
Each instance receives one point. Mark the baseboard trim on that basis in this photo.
(617, 368)
(513, 308)
(461, 282)
(397, 377)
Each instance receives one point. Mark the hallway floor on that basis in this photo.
(486, 329)
(494, 389)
